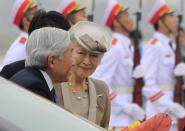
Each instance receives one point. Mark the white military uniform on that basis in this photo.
(17, 50)
(115, 70)
(158, 62)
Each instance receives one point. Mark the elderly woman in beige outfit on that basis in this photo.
(82, 95)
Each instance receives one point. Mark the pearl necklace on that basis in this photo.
(76, 92)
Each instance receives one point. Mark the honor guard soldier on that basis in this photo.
(158, 63)
(72, 11)
(116, 67)
(22, 14)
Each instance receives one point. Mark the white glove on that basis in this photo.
(135, 111)
(176, 110)
(138, 72)
(180, 70)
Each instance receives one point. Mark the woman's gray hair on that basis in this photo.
(45, 41)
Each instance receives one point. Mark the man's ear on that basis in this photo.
(160, 23)
(115, 23)
(51, 61)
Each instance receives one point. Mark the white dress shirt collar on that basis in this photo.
(48, 80)
(121, 37)
(161, 37)
(24, 34)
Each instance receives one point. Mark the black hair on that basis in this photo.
(156, 26)
(48, 19)
(21, 26)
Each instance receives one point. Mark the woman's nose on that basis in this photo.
(87, 60)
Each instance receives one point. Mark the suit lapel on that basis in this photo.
(41, 77)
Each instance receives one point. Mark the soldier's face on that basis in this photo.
(30, 14)
(126, 20)
(80, 16)
(28, 18)
(171, 22)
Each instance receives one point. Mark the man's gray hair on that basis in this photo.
(45, 41)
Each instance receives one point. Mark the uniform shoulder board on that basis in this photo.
(22, 40)
(153, 41)
(114, 41)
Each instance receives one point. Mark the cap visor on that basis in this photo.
(77, 10)
(123, 11)
(168, 13)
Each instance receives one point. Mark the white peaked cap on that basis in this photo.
(68, 6)
(19, 9)
(112, 10)
(159, 9)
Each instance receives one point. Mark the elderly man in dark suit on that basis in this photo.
(48, 61)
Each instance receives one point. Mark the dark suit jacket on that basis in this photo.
(33, 80)
(9, 70)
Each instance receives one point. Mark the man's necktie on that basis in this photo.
(53, 93)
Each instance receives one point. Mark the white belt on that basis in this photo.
(124, 90)
(167, 87)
